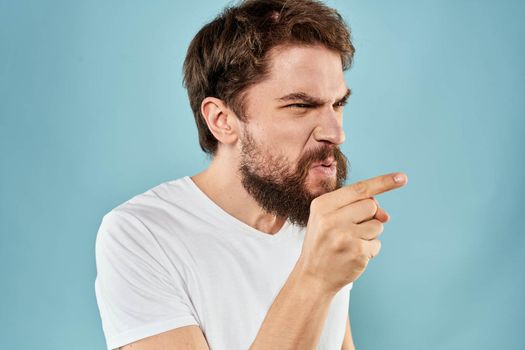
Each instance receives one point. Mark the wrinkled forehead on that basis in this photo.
(314, 69)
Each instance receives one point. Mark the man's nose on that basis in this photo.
(330, 128)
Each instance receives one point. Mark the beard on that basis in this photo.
(281, 190)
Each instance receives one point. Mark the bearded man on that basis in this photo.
(261, 249)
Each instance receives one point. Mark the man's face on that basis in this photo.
(289, 152)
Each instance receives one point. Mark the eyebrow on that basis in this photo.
(302, 96)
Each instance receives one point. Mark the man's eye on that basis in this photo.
(299, 105)
(340, 104)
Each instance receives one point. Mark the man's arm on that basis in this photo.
(348, 342)
(330, 259)
(340, 239)
(183, 338)
(295, 321)
(296, 317)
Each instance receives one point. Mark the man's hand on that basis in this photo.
(342, 231)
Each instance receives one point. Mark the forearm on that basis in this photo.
(296, 318)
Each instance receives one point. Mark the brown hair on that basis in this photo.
(228, 55)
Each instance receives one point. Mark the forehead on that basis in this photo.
(315, 70)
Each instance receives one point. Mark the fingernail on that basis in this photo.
(399, 178)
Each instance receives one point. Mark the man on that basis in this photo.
(260, 250)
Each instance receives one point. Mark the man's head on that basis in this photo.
(230, 53)
(272, 72)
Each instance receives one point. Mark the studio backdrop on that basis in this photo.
(93, 112)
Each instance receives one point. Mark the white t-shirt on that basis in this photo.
(171, 257)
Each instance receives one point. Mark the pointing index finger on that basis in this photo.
(366, 188)
(376, 185)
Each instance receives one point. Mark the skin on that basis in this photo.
(288, 116)
(344, 225)
(284, 128)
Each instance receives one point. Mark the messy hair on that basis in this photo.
(230, 54)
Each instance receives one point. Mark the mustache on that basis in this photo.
(318, 155)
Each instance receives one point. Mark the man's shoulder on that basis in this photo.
(154, 200)
(157, 205)
(144, 224)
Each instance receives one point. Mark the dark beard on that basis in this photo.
(278, 190)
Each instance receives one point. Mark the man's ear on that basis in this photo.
(221, 120)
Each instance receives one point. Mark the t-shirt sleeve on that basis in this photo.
(139, 294)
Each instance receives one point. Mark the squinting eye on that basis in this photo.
(299, 105)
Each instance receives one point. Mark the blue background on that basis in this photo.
(93, 112)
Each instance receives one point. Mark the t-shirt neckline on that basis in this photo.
(285, 231)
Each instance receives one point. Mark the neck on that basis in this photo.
(221, 182)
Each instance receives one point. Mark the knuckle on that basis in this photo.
(360, 187)
(324, 223)
(371, 206)
(379, 227)
(339, 243)
(315, 205)
(387, 181)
